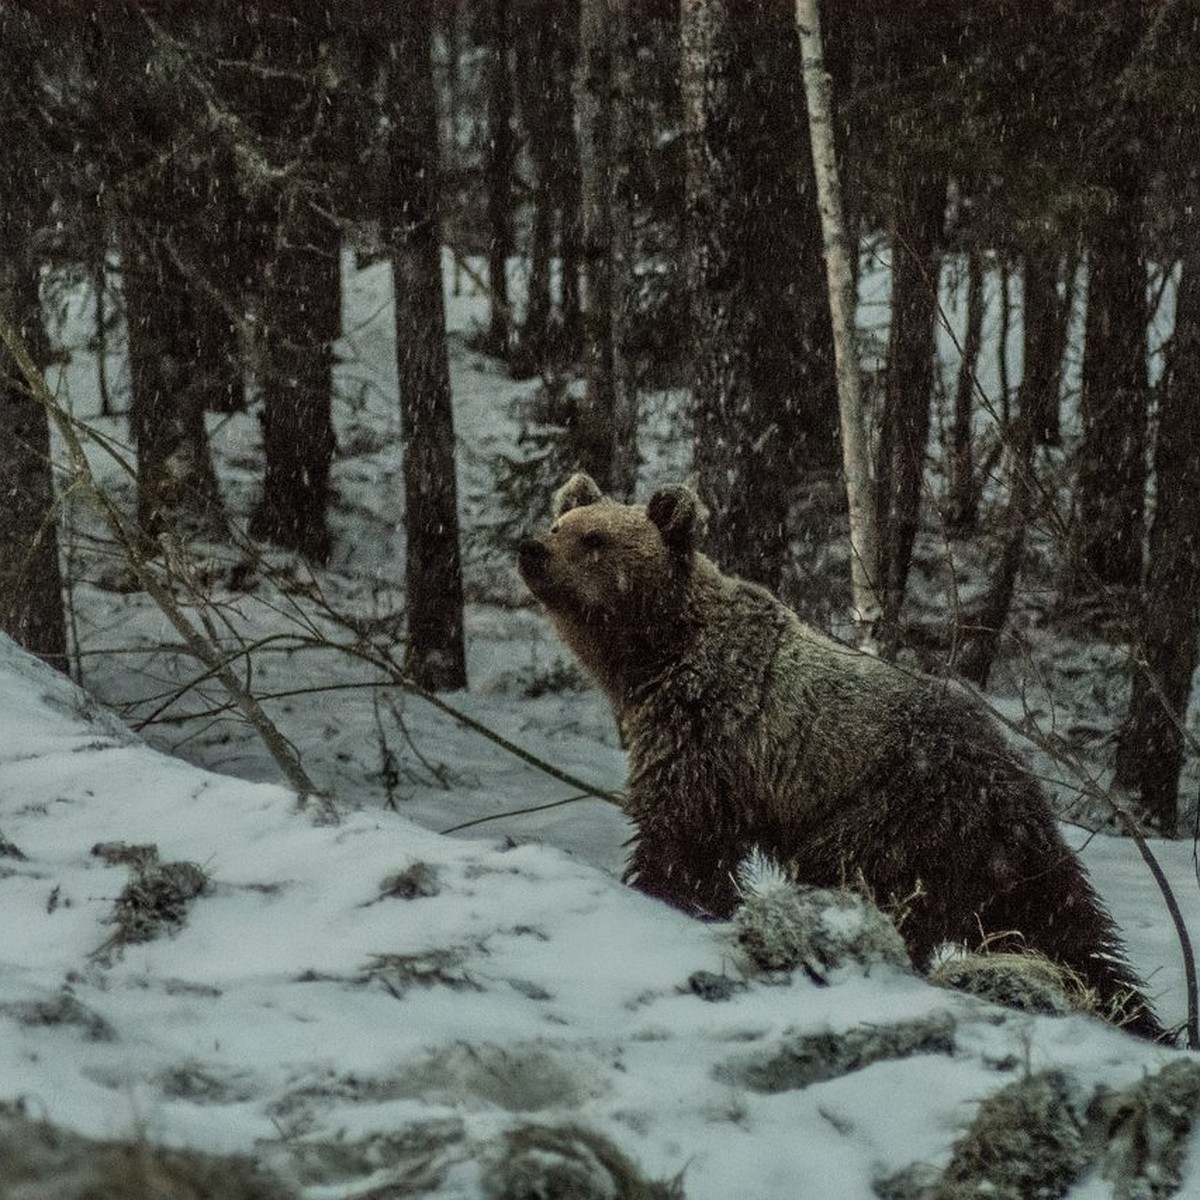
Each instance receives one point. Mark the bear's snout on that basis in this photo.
(532, 557)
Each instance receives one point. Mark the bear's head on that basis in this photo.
(606, 569)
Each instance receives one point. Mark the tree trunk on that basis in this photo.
(1151, 743)
(501, 152)
(567, 159)
(435, 654)
(763, 385)
(301, 319)
(221, 257)
(300, 292)
(840, 272)
(164, 201)
(606, 423)
(962, 494)
(543, 91)
(536, 93)
(31, 586)
(1045, 318)
(176, 482)
(918, 216)
(1110, 489)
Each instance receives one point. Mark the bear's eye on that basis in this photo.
(593, 540)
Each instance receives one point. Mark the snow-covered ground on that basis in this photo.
(369, 1003)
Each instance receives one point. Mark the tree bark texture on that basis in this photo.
(570, 183)
(1111, 483)
(435, 653)
(31, 585)
(1150, 747)
(536, 95)
(763, 379)
(162, 199)
(918, 217)
(501, 153)
(840, 275)
(300, 294)
(176, 481)
(606, 423)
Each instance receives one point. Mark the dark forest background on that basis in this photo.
(205, 167)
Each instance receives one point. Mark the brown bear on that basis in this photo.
(746, 730)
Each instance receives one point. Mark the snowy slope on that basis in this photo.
(346, 1036)
(373, 1004)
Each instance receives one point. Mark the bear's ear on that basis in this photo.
(581, 489)
(678, 513)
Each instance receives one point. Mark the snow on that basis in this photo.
(305, 1016)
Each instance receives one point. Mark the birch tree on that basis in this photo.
(856, 461)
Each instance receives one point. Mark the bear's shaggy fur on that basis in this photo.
(747, 729)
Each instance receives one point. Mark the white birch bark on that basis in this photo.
(864, 531)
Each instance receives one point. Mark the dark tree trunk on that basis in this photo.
(31, 586)
(160, 205)
(962, 493)
(301, 319)
(176, 483)
(433, 572)
(300, 289)
(918, 220)
(546, 57)
(763, 383)
(1151, 743)
(569, 184)
(535, 53)
(1044, 319)
(605, 427)
(1110, 489)
(501, 151)
(1002, 344)
(222, 258)
(99, 277)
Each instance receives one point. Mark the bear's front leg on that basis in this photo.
(697, 875)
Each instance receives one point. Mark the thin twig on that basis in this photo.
(517, 812)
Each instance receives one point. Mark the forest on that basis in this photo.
(306, 310)
(631, 188)
(648, 175)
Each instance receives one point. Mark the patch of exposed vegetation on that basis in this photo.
(39, 1160)
(417, 881)
(803, 1059)
(399, 973)
(63, 1009)
(782, 926)
(155, 900)
(569, 1162)
(1038, 1137)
